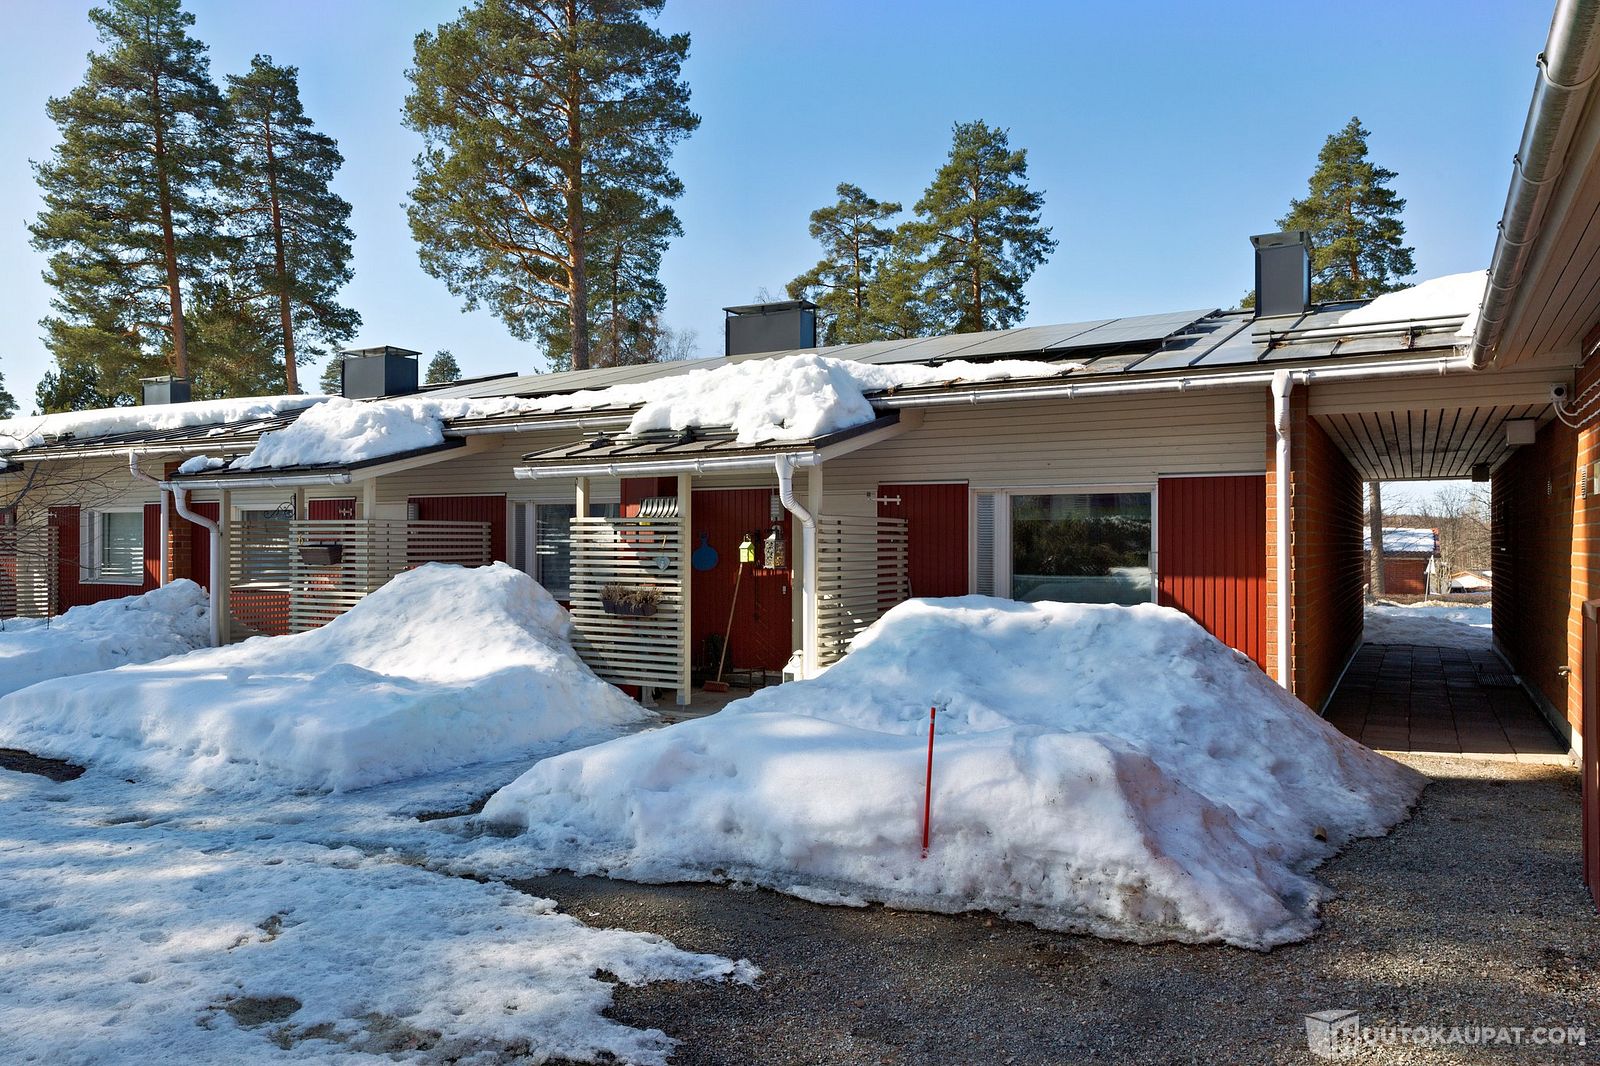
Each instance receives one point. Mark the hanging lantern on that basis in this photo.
(777, 552)
(747, 549)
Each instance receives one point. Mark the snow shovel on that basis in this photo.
(720, 685)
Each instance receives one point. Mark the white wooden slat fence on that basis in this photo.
(649, 556)
(295, 575)
(29, 571)
(861, 573)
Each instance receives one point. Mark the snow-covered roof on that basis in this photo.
(32, 431)
(1397, 541)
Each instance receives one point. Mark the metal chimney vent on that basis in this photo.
(370, 373)
(166, 389)
(774, 327)
(1283, 273)
(660, 507)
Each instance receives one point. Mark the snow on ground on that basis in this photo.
(1403, 539)
(788, 398)
(1432, 623)
(441, 667)
(98, 636)
(26, 431)
(1105, 769)
(146, 923)
(1444, 297)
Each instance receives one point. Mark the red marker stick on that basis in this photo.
(927, 789)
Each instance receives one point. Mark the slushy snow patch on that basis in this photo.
(26, 431)
(98, 636)
(1112, 770)
(1430, 625)
(441, 667)
(1450, 296)
(788, 398)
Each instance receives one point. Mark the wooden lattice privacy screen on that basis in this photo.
(295, 575)
(861, 573)
(29, 571)
(629, 608)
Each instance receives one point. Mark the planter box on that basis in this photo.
(628, 610)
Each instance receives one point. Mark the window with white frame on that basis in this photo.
(1072, 547)
(541, 541)
(117, 545)
(265, 557)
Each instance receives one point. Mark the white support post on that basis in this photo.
(369, 498)
(222, 567)
(686, 583)
(165, 538)
(581, 496)
(807, 592)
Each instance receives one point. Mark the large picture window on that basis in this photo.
(542, 542)
(1081, 547)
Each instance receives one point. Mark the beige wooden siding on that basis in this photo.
(1088, 441)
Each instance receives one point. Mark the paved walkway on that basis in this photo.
(1452, 701)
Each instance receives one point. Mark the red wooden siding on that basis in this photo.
(636, 490)
(1213, 556)
(490, 509)
(936, 532)
(152, 544)
(71, 590)
(762, 636)
(332, 509)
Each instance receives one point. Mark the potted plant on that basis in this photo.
(322, 554)
(634, 601)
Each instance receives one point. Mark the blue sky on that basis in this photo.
(1162, 135)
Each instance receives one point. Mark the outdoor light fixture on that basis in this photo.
(747, 548)
(776, 551)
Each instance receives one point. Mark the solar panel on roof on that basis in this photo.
(1139, 329)
(1029, 339)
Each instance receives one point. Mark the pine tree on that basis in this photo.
(853, 240)
(8, 402)
(978, 224)
(1354, 220)
(73, 387)
(898, 301)
(332, 380)
(442, 368)
(294, 237)
(533, 114)
(235, 339)
(129, 218)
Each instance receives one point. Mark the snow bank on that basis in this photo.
(98, 636)
(788, 398)
(1430, 625)
(1450, 296)
(30, 430)
(1102, 769)
(145, 926)
(440, 667)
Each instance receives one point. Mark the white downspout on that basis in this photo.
(166, 513)
(1282, 385)
(784, 466)
(180, 496)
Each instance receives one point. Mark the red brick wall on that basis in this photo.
(1544, 568)
(1327, 564)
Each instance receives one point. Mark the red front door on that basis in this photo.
(936, 534)
(761, 634)
(1212, 556)
(1591, 748)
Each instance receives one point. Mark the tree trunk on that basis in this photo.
(1375, 529)
(577, 272)
(291, 378)
(169, 243)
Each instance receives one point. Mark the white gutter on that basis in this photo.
(784, 466)
(180, 496)
(1440, 364)
(1282, 385)
(668, 466)
(1567, 65)
(287, 481)
(166, 512)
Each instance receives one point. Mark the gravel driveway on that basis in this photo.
(1470, 913)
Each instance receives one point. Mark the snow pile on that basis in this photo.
(1430, 625)
(1113, 770)
(442, 666)
(789, 398)
(28, 431)
(199, 464)
(1396, 539)
(1450, 296)
(98, 636)
(142, 925)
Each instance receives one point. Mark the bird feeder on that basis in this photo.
(776, 550)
